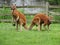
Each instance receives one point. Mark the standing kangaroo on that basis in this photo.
(18, 18)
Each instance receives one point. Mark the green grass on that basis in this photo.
(9, 36)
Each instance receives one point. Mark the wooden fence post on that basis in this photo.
(47, 8)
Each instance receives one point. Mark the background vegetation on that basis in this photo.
(54, 2)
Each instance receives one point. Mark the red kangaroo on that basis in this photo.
(40, 19)
(18, 18)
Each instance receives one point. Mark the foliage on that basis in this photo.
(54, 2)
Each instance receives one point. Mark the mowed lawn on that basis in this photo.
(9, 36)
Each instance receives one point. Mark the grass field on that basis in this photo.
(9, 36)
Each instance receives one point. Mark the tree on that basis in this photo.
(54, 2)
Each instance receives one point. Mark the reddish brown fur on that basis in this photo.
(22, 18)
(40, 19)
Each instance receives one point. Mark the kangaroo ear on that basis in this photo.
(15, 4)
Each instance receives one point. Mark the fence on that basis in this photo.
(5, 12)
(55, 14)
